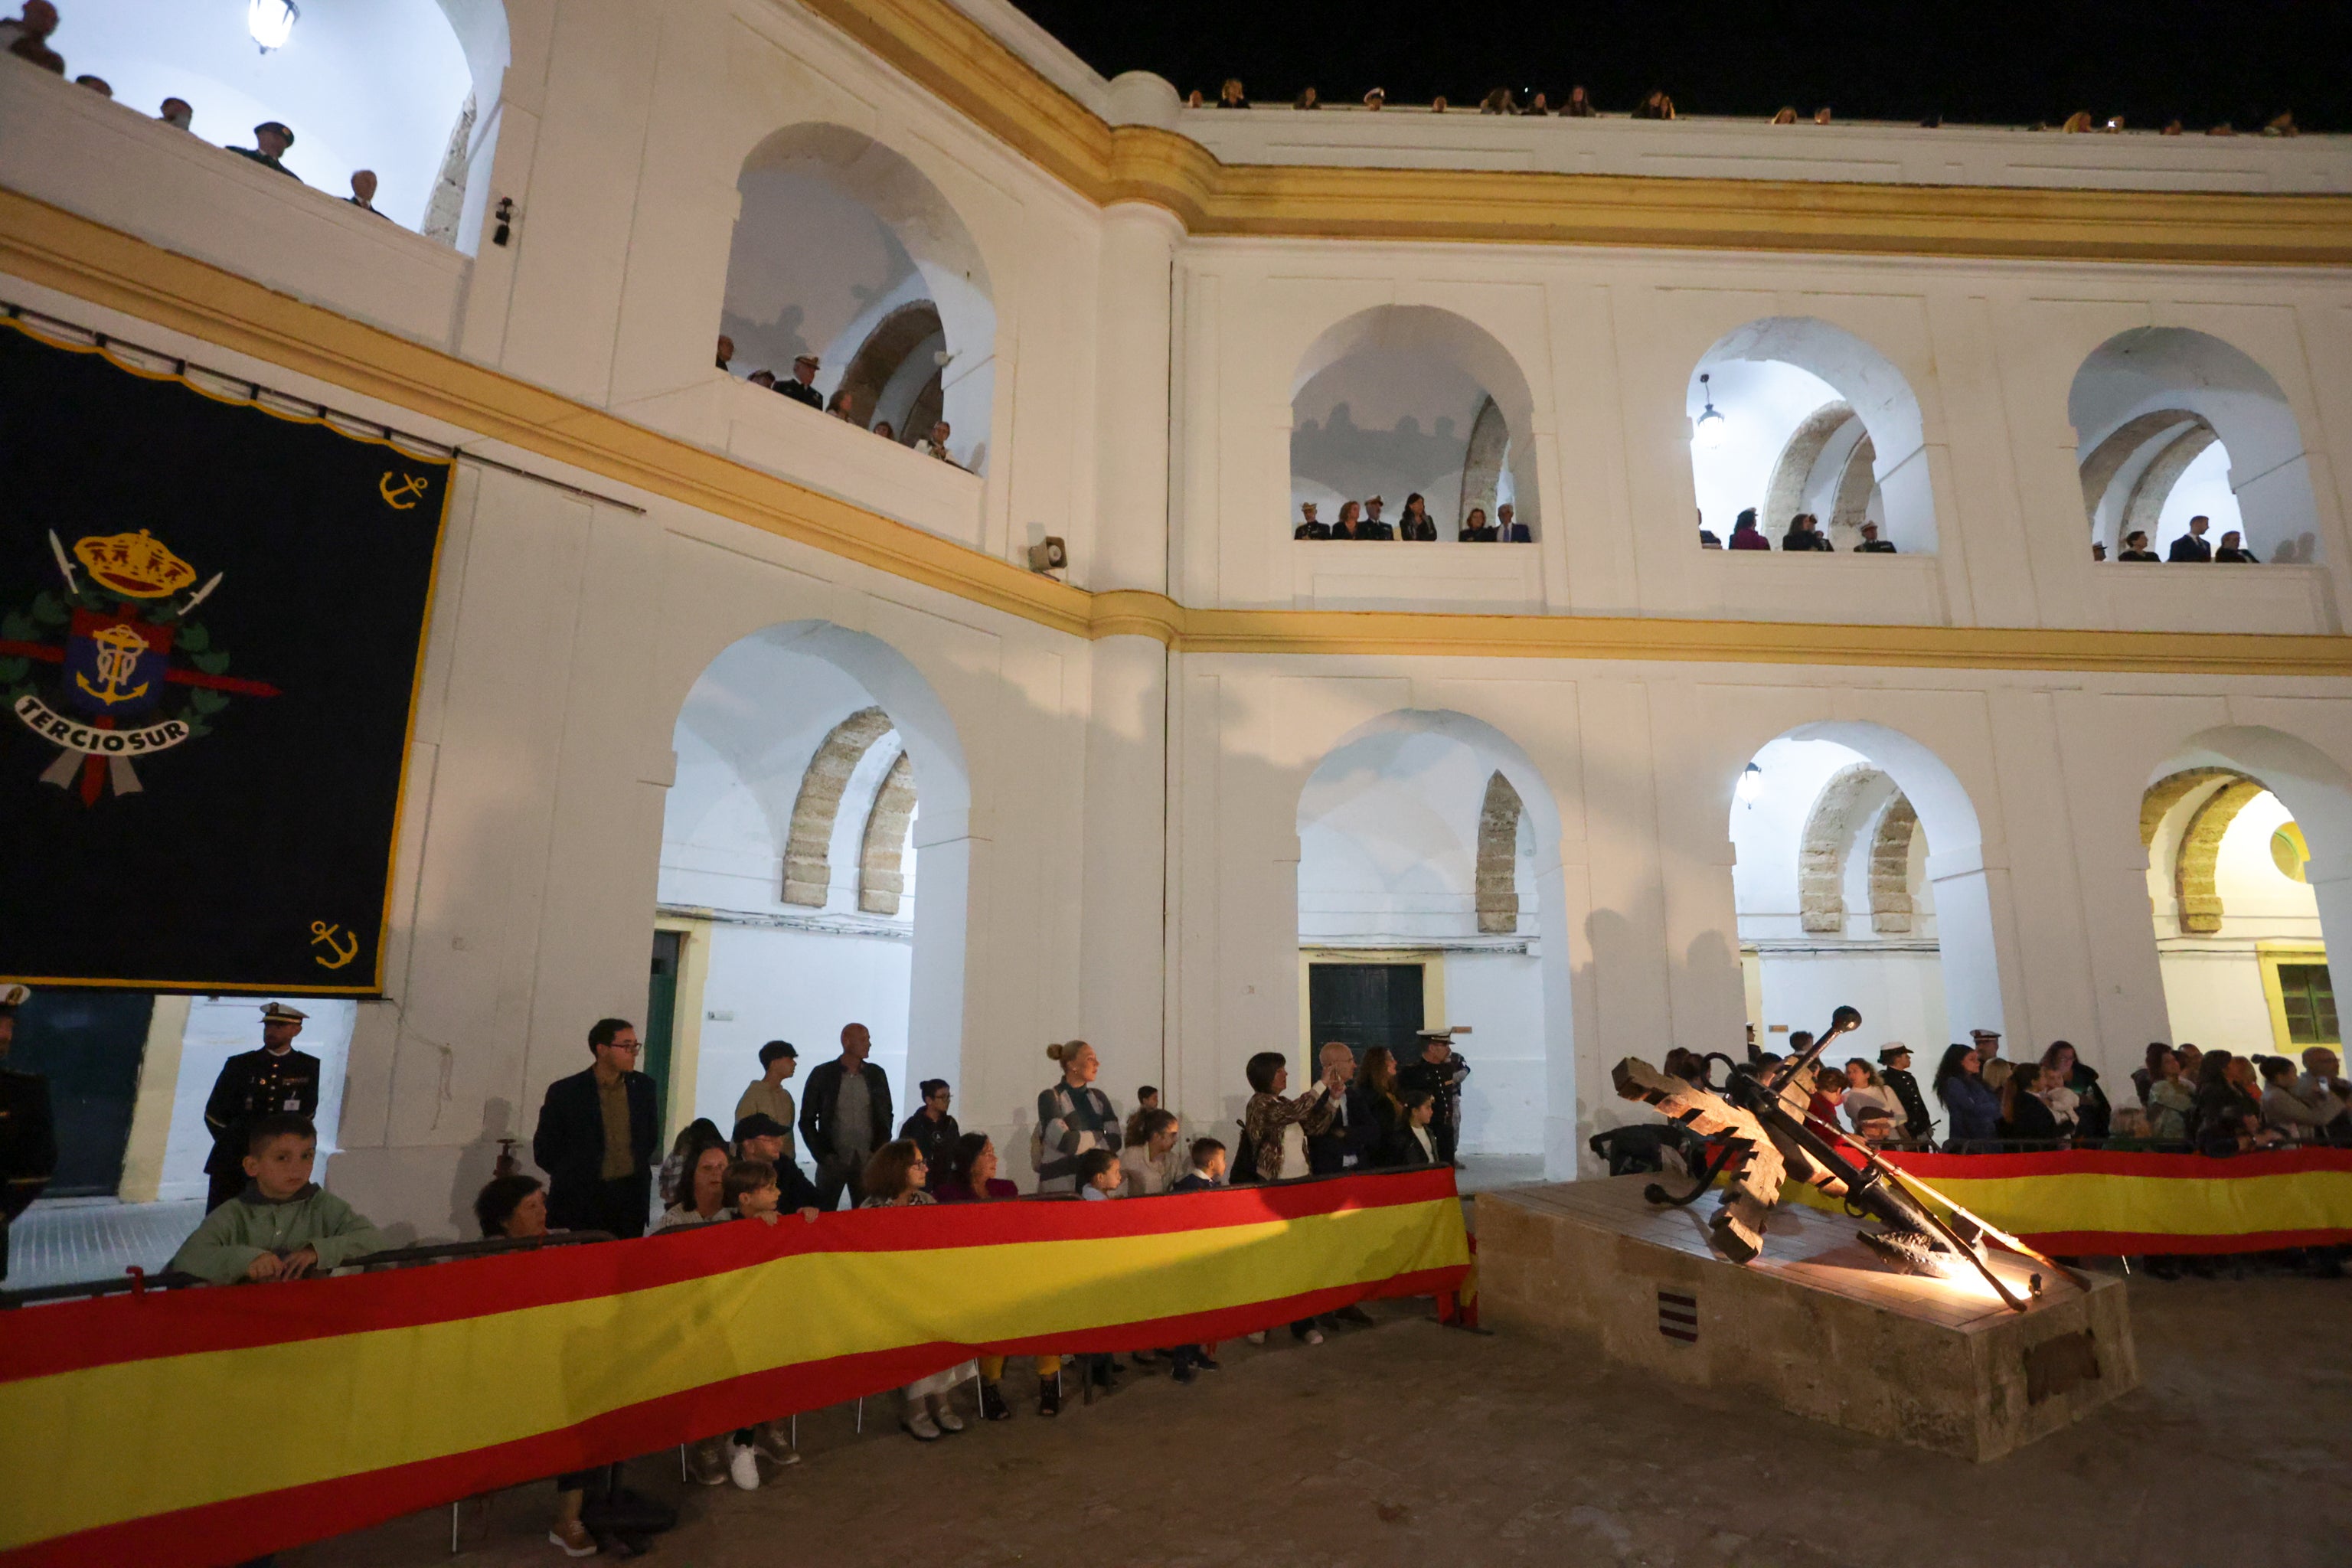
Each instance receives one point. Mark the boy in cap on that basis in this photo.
(271, 140)
(766, 1095)
(28, 1136)
(252, 1085)
(283, 1225)
(761, 1137)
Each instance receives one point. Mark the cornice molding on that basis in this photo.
(970, 70)
(89, 261)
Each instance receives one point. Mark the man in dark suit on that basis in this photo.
(1372, 526)
(28, 1131)
(802, 388)
(1895, 1067)
(1507, 526)
(1871, 543)
(1440, 1072)
(845, 1117)
(1345, 1143)
(595, 1138)
(2192, 545)
(1308, 526)
(252, 1085)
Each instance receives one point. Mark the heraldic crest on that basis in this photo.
(109, 669)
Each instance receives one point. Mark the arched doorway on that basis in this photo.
(1859, 879)
(409, 88)
(1810, 418)
(2172, 424)
(844, 249)
(2247, 831)
(793, 895)
(1405, 398)
(1428, 872)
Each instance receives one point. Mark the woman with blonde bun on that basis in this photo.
(1073, 1117)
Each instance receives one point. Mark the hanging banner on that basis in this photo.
(122, 1420)
(212, 624)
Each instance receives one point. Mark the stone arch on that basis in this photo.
(1792, 481)
(1871, 389)
(1482, 469)
(895, 366)
(1334, 457)
(880, 874)
(836, 236)
(808, 869)
(1890, 867)
(2156, 803)
(2193, 879)
(1843, 808)
(1498, 858)
(2143, 393)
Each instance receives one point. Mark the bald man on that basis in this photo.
(845, 1115)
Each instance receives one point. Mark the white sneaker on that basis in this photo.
(944, 1416)
(1258, 1338)
(920, 1427)
(1312, 1337)
(744, 1466)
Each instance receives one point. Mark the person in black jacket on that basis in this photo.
(802, 388)
(1415, 524)
(595, 1138)
(1308, 527)
(845, 1116)
(1347, 1141)
(1372, 526)
(2024, 1119)
(1871, 543)
(1440, 1072)
(934, 1131)
(2233, 549)
(2136, 548)
(252, 1085)
(1895, 1067)
(2192, 545)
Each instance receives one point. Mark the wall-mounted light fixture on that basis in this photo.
(271, 22)
(1708, 431)
(1750, 785)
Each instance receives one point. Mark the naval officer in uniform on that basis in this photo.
(28, 1137)
(252, 1085)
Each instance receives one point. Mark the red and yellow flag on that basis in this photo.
(205, 1426)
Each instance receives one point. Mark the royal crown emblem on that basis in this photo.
(133, 677)
(135, 566)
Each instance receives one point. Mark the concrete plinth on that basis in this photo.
(1816, 1326)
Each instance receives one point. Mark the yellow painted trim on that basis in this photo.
(964, 65)
(686, 1025)
(2269, 955)
(59, 251)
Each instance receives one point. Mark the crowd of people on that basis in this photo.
(799, 386)
(1656, 104)
(2190, 546)
(1804, 532)
(1362, 520)
(27, 36)
(596, 1140)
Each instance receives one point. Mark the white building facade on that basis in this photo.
(706, 666)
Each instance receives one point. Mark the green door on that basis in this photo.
(661, 1021)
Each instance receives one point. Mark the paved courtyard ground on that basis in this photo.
(1410, 1444)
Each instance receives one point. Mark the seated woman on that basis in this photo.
(2025, 1118)
(1476, 529)
(972, 1178)
(2136, 548)
(895, 1178)
(702, 1199)
(698, 1132)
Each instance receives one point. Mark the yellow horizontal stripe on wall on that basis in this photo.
(356, 1403)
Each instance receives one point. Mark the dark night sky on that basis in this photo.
(1991, 63)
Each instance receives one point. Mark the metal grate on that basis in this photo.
(1678, 1317)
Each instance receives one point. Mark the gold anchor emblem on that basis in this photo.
(119, 651)
(324, 932)
(403, 496)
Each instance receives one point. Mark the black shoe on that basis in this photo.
(1354, 1315)
(1106, 1374)
(1207, 1363)
(1049, 1395)
(991, 1403)
(1184, 1372)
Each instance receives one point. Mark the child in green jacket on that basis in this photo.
(282, 1227)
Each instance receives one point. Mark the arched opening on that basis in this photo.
(1429, 874)
(2172, 424)
(1406, 398)
(844, 250)
(1813, 419)
(2246, 834)
(1859, 879)
(788, 879)
(409, 88)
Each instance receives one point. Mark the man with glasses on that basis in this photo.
(595, 1138)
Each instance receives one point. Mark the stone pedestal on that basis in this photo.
(1816, 1326)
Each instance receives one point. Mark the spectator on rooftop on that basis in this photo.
(1376, 99)
(362, 194)
(1745, 534)
(882, 428)
(96, 84)
(1437, 104)
(1192, 99)
(1788, 115)
(1498, 101)
(27, 36)
(1230, 96)
(178, 111)
(2284, 126)
(763, 378)
(802, 388)
(1507, 526)
(2077, 123)
(1579, 106)
(2192, 545)
(1656, 106)
(1373, 525)
(727, 352)
(1308, 526)
(1537, 105)
(935, 445)
(1306, 100)
(2233, 549)
(1871, 543)
(271, 141)
(1476, 529)
(841, 405)
(1413, 522)
(1350, 524)
(1804, 533)
(2136, 547)
(1822, 115)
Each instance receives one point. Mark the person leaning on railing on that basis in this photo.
(2172, 1103)
(2303, 1122)
(283, 1225)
